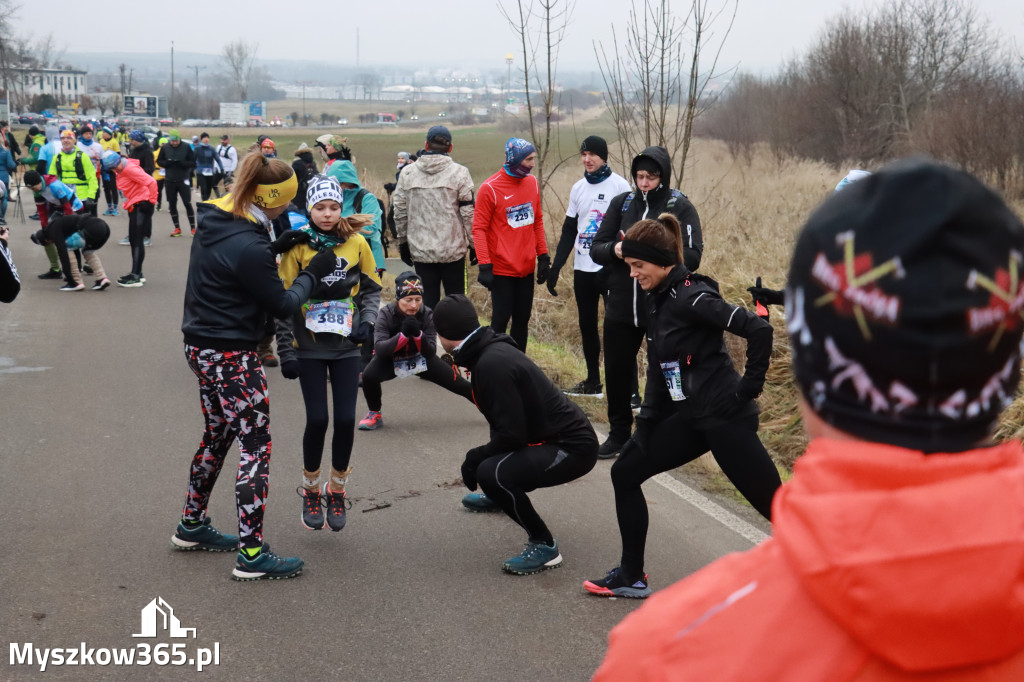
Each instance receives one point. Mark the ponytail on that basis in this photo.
(664, 234)
(256, 170)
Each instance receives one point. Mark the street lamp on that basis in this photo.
(508, 81)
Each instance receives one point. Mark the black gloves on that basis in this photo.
(552, 281)
(405, 253)
(748, 389)
(469, 465)
(486, 275)
(322, 264)
(389, 187)
(38, 238)
(411, 327)
(363, 333)
(287, 240)
(766, 296)
(543, 268)
(731, 403)
(472, 256)
(290, 369)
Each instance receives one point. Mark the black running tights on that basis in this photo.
(439, 372)
(673, 443)
(174, 189)
(140, 224)
(587, 289)
(512, 299)
(506, 479)
(344, 388)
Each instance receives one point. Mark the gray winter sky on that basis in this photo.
(453, 32)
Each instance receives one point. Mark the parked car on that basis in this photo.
(414, 117)
(443, 114)
(343, 121)
(191, 122)
(166, 121)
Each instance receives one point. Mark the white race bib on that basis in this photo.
(407, 367)
(673, 380)
(332, 317)
(207, 171)
(161, 172)
(519, 216)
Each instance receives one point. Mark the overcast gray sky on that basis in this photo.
(766, 32)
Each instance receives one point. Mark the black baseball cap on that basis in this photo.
(439, 134)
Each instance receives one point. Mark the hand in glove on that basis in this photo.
(472, 256)
(486, 275)
(290, 369)
(543, 268)
(405, 253)
(553, 281)
(323, 264)
(389, 187)
(411, 327)
(287, 240)
(363, 333)
(765, 295)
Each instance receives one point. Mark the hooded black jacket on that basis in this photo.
(686, 321)
(625, 297)
(304, 168)
(144, 155)
(520, 403)
(177, 161)
(232, 283)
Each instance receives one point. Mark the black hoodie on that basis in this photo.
(232, 283)
(625, 298)
(520, 403)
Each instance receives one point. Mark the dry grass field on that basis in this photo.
(750, 214)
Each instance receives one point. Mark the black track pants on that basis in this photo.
(438, 372)
(344, 389)
(451, 275)
(512, 299)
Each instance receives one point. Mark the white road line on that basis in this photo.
(712, 509)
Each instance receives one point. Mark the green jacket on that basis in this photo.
(87, 187)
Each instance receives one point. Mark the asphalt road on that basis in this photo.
(100, 417)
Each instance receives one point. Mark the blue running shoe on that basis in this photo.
(478, 502)
(535, 558)
(266, 566)
(204, 536)
(615, 584)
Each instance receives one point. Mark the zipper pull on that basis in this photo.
(689, 359)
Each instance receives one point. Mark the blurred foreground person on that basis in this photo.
(899, 542)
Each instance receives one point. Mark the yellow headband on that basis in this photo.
(272, 196)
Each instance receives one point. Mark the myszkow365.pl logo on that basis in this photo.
(157, 619)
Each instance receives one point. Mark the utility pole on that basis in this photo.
(170, 103)
(303, 84)
(197, 69)
(357, 47)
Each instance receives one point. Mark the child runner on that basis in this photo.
(323, 338)
(405, 343)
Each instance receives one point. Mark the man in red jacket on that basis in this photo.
(898, 545)
(508, 232)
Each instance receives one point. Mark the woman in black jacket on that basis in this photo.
(695, 401)
(232, 287)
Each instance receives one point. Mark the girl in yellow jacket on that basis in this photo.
(324, 338)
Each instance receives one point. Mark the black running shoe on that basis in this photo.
(609, 448)
(590, 389)
(50, 274)
(614, 584)
(635, 401)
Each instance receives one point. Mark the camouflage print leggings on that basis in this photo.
(236, 406)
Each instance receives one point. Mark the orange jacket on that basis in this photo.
(508, 224)
(886, 564)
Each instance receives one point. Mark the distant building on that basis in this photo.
(66, 85)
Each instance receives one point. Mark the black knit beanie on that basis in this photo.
(904, 306)
(648, 165)
(455, 317)
(595, 145)
(408, 284)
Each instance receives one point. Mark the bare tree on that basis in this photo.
(540, 26)
(239, 57)
(657, 76)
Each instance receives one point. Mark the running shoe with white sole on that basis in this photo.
(72, 287)
(335, 503)
(614, 584)
(371, 422)
(101, 284)
(535, 558)
(125, 242)
(204, 537)
(131, 280)
(266, 566)
(312, 508)
(589, 389)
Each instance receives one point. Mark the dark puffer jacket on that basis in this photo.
(625, 298)
(177, 161)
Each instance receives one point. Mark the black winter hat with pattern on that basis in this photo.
(408, 284)
(904, 308)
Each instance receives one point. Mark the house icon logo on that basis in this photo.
(158, 616)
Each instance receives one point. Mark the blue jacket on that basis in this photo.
(7, 166)
(345, 171)
(206, 159)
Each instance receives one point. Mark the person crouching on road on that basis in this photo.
(695, 401)
(77, 232)
(232, 286)
(539, 438)
(140, 194)
(322, 339)
(405, 344)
